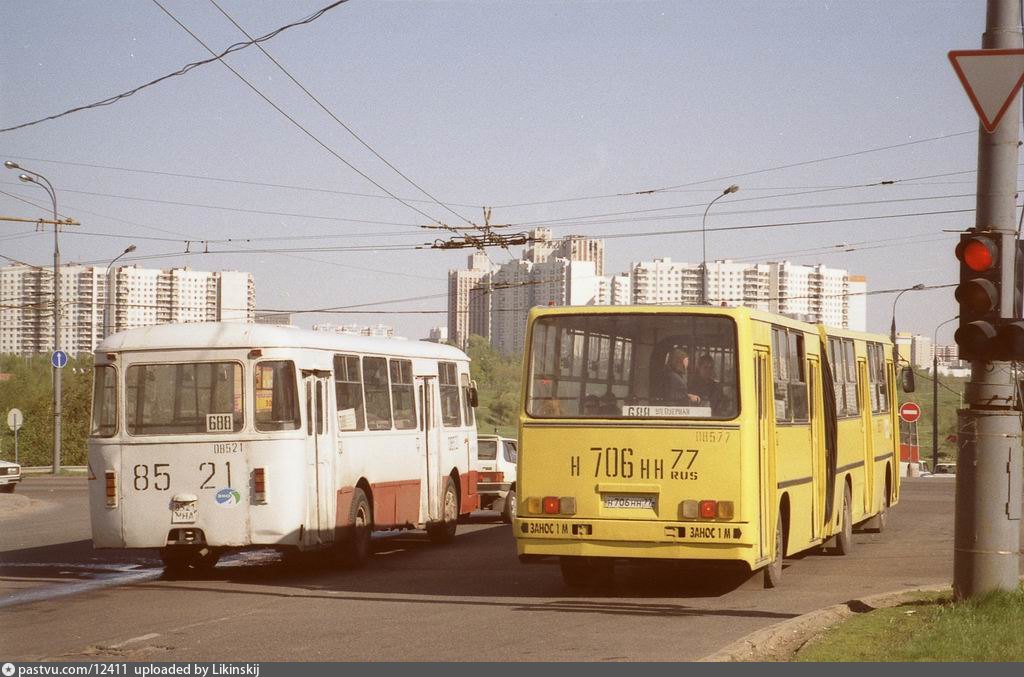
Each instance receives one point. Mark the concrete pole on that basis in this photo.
(988, 482)
(56, 338)
(935, 411)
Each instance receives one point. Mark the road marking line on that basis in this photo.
(140, 638)
(78, 588)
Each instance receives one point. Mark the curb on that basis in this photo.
(781, 641)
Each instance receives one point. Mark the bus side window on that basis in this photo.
(797, 377)
(448, 381)
(277, 402)
(378, 399)
(467, 408)
(403, 395)
(348, 392)
(780, 376)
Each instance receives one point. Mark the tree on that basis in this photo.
(498, 382)
(29, 387)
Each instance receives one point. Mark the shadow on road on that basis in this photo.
(479, 567)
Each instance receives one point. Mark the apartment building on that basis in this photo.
(140, 297)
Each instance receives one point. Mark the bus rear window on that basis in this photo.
(176, 399)
(277, 402)
(633, 366)
(487, 450)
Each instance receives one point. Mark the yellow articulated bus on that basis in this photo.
(702, 434)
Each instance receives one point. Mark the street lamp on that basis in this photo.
(935, 392)
(892, 327)
(704, 244)
(29, 176)
(108, 307)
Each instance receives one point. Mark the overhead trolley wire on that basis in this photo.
(295, 122)
(337, 119)
(181, 71)
(219, 179)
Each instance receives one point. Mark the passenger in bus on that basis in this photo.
(704, 384)
(677, 385)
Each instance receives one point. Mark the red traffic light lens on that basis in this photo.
(979, 254)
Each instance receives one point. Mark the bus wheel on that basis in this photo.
(844, 539)
(357, 548)
(587, 572)
(509, 513)
(444, 531)
(773, 572)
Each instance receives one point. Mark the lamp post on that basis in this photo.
(704, 244)
(892, 327)
(108, 307)
(29, 176)
(935, 392)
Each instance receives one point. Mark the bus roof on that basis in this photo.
(730, 311)
(249, 335)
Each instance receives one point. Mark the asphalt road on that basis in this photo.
(469, 600)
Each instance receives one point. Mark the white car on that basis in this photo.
(10, 474)
(495, 464)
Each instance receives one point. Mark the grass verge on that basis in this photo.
(928, 627)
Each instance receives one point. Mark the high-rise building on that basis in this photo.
(437, 335)
(147, 296)
(543, 247)
(380, 330)
(812, 293)
(857, 303)
(140, 297)
(282, 319)
(469, 300)
(542, 276)
(662, 282)
(26, 309)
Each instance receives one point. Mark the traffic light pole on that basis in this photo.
(988, 482)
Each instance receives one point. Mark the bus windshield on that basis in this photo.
(633, 366)
(174, 399)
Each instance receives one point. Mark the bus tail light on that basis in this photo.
(111, 478)
(259, 485)
(707, 510)
(550, 505)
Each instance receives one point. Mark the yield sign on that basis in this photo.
(992, 77)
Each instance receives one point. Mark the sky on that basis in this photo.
(566, 106)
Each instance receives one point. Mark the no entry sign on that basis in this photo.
(910, 412)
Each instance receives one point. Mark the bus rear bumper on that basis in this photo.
(539, 538)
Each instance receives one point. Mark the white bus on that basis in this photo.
(208, 437)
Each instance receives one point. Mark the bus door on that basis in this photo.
(867, 436)
(817, 446)
(319, 459)
(429, 405)
(765, 469)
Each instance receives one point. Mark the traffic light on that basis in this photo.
(991, 327)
